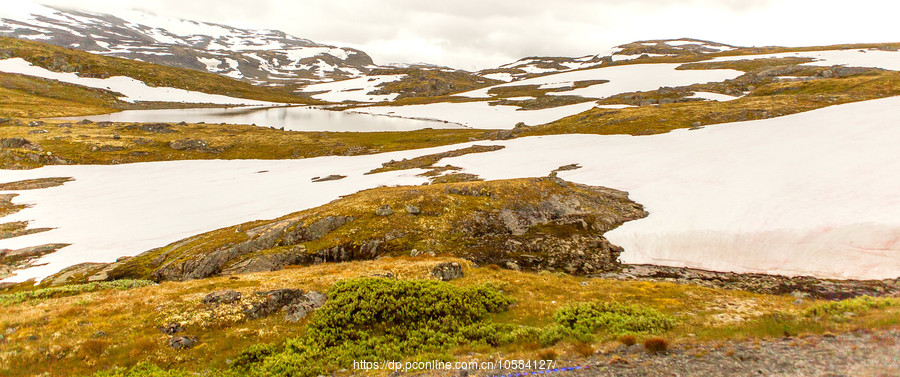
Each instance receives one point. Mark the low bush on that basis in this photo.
(613, 318)
(856, 305)
(378, 319)
(656, 345)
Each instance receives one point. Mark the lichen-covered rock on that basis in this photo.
(225, 296)
(447, 271)
(182, 342)
(384, 210)
(310, 301)
(171, 328)
(274, 301)
(530, 224)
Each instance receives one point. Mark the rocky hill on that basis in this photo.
(534, 66)
(265, 57)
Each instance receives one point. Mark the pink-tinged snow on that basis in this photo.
(354, 89)
(622, 79)
(889, 60)
(479, 114)
(131, 89)
(714, 96)
(807, 194)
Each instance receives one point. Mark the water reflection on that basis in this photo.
(291, 118)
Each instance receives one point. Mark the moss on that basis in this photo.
(856, 305)
(69, 290)
(427, 161)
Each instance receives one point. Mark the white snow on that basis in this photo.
(354, 89)
(479, 114)
(502, 76)
(131, 89)
(623, 79)
(811, 193)
(714, 96)
(122, 210)
(889, 60)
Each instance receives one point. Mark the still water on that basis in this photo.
(291, 118)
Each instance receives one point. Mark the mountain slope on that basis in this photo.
(87, 65)
(266, 57)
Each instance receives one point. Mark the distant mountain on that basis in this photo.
(266, 57)
(538, 66)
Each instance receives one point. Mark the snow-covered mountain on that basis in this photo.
(267, 57)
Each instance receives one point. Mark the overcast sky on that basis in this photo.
(475, 34)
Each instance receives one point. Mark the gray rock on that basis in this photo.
(14, 142)
(171, 329)
(384, 210)
(101, 334)
(310, 301)
(85, 121)
(157, 128)
(447, 271)
(513, 266)
(332, 177)
(182, 342)
(36, 123)
(275, 300)
(413, 210)
(225, 296)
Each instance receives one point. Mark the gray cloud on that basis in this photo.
(474, 34)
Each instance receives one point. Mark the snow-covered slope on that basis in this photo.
(131, 89)
(622, 79)
(262, 56)
(541, 65)
(811, 193)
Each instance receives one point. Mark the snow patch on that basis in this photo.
(131, 89)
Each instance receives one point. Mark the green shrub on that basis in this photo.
(385, 319)
(70, 290)
(142, 370)
(613, 318)
(856, 305)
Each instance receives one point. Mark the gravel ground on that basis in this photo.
(862, 353)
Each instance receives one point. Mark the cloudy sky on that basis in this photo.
(475, 34)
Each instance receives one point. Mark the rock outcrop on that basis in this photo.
(524, 224)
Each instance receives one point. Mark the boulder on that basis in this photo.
(182, 342)
(274, 301)
(225, 296)
(384, 210)
(447, 271)
(172, 328)
(413, 210)
(310, 301)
